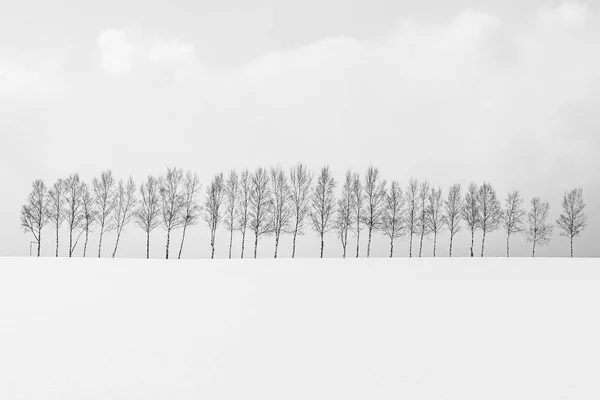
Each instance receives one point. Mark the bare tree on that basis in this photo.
(301, 181)
(104, 198)
(244, 205)
(453, 207)
(512, 217)
(358, 200)
(191, 208)
(74, 209)
(261, 206)
(471, 212)
(491, 212)
(172, 202)
(281, 217)
(392, 218)
(212, 208)
(538, 232)
(124, 208)
(34, 214)
(344, 215)
(89, 214)
(423, 226)
(56, 207)
(573, 219)
(435, 215)
(232, 198)
(412, 211)
(375, 203)
(147, 215)
(323, 204)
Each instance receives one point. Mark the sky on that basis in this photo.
(504, 92)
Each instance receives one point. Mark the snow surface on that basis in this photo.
(300, 329)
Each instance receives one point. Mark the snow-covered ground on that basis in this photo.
(300, 329)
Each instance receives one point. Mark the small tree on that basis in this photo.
(491, 212)
(244, 205)
(471, 212)
(323, 205)
(435, 215)
(301, 181)
(573, 219)
(124, 209)
(34, 214)
(104, 199)
(56, 207)
(392, 219)
(412, 211)
(358, 200)
(232, 199)
(538, 232)
(512, 217)
(344, 215)
(89, 212)
(212, 208)
(281, 216)
(423, 226)
(74, 209)
(191, 208)
(375, 203)
(261, 206)
(172, 202)
(147, 215)
(453, 207)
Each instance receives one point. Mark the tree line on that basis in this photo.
(278, 202)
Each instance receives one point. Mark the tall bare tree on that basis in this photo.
(491, 212)
(512, 217)
(344, 216)
(124, 208)
(471, 212)
(147, 215)
(244, 206)
(232, 199)
(436, 220)
(281, 217)
(191, 207)
(213, 215)
(34, 214)
(358, 204)
(323, 204)
(261, 206)
(104, 198)
(301, 181)
(423, 226)
(375, 203)
(412, 211)
(538, 232)
(74, 209)
(90, 214)
(172, 202)
(453, 207)
(56, 207)
(392, 219)
(573, 219)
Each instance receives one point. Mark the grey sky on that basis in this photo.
(453, 91)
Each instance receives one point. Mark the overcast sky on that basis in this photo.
(453, 91)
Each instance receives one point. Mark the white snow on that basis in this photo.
(300, 329)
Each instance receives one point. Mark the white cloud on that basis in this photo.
(116, 51)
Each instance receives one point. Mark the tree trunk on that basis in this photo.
(472, 241)
(410, 246)
(508, 245)
(70, 242)
(482, 243)
(56, 242)
(39, 242)
(533, 251)
(421, 245)
(276, 244)
(243, 243)
(322, 245)
(168, 243)
(294, 244)
(571, 246)
(87, 234)
(100, 243)
(450, 252)
(116, 244)
(391, 248)
(230, 240)
(344, 249)
(148, 245)
(369, 242)
(182, 239)
(357, 240)
(212, 245)
(255, 243)
(434, 243)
